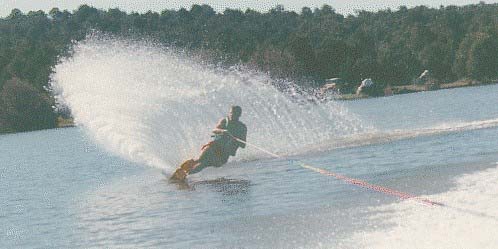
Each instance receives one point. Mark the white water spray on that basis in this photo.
(154, 106)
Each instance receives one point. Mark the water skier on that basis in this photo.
(228, 136)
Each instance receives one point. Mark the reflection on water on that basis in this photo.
(225, 186)
(233, 191)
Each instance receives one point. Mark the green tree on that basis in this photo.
(24, 108)
(301, 49)
(483, 59)
(15, 13)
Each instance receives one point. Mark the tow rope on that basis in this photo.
(352, 181)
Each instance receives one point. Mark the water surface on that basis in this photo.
(59, 189)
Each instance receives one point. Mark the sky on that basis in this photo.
(342, 6)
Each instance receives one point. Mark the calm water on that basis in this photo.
(60, 190)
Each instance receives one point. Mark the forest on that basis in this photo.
(392, 47)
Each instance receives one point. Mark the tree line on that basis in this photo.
(390, 46)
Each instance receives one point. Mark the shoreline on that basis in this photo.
(65, 122)
(398, 90)
(415, 88)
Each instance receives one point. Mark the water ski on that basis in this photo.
(181, 172)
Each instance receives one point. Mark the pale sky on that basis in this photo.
(342, 6)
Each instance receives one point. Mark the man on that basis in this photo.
(229, 135)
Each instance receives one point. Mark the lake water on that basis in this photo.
(61, 190)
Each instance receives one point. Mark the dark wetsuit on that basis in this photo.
(217, 152)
